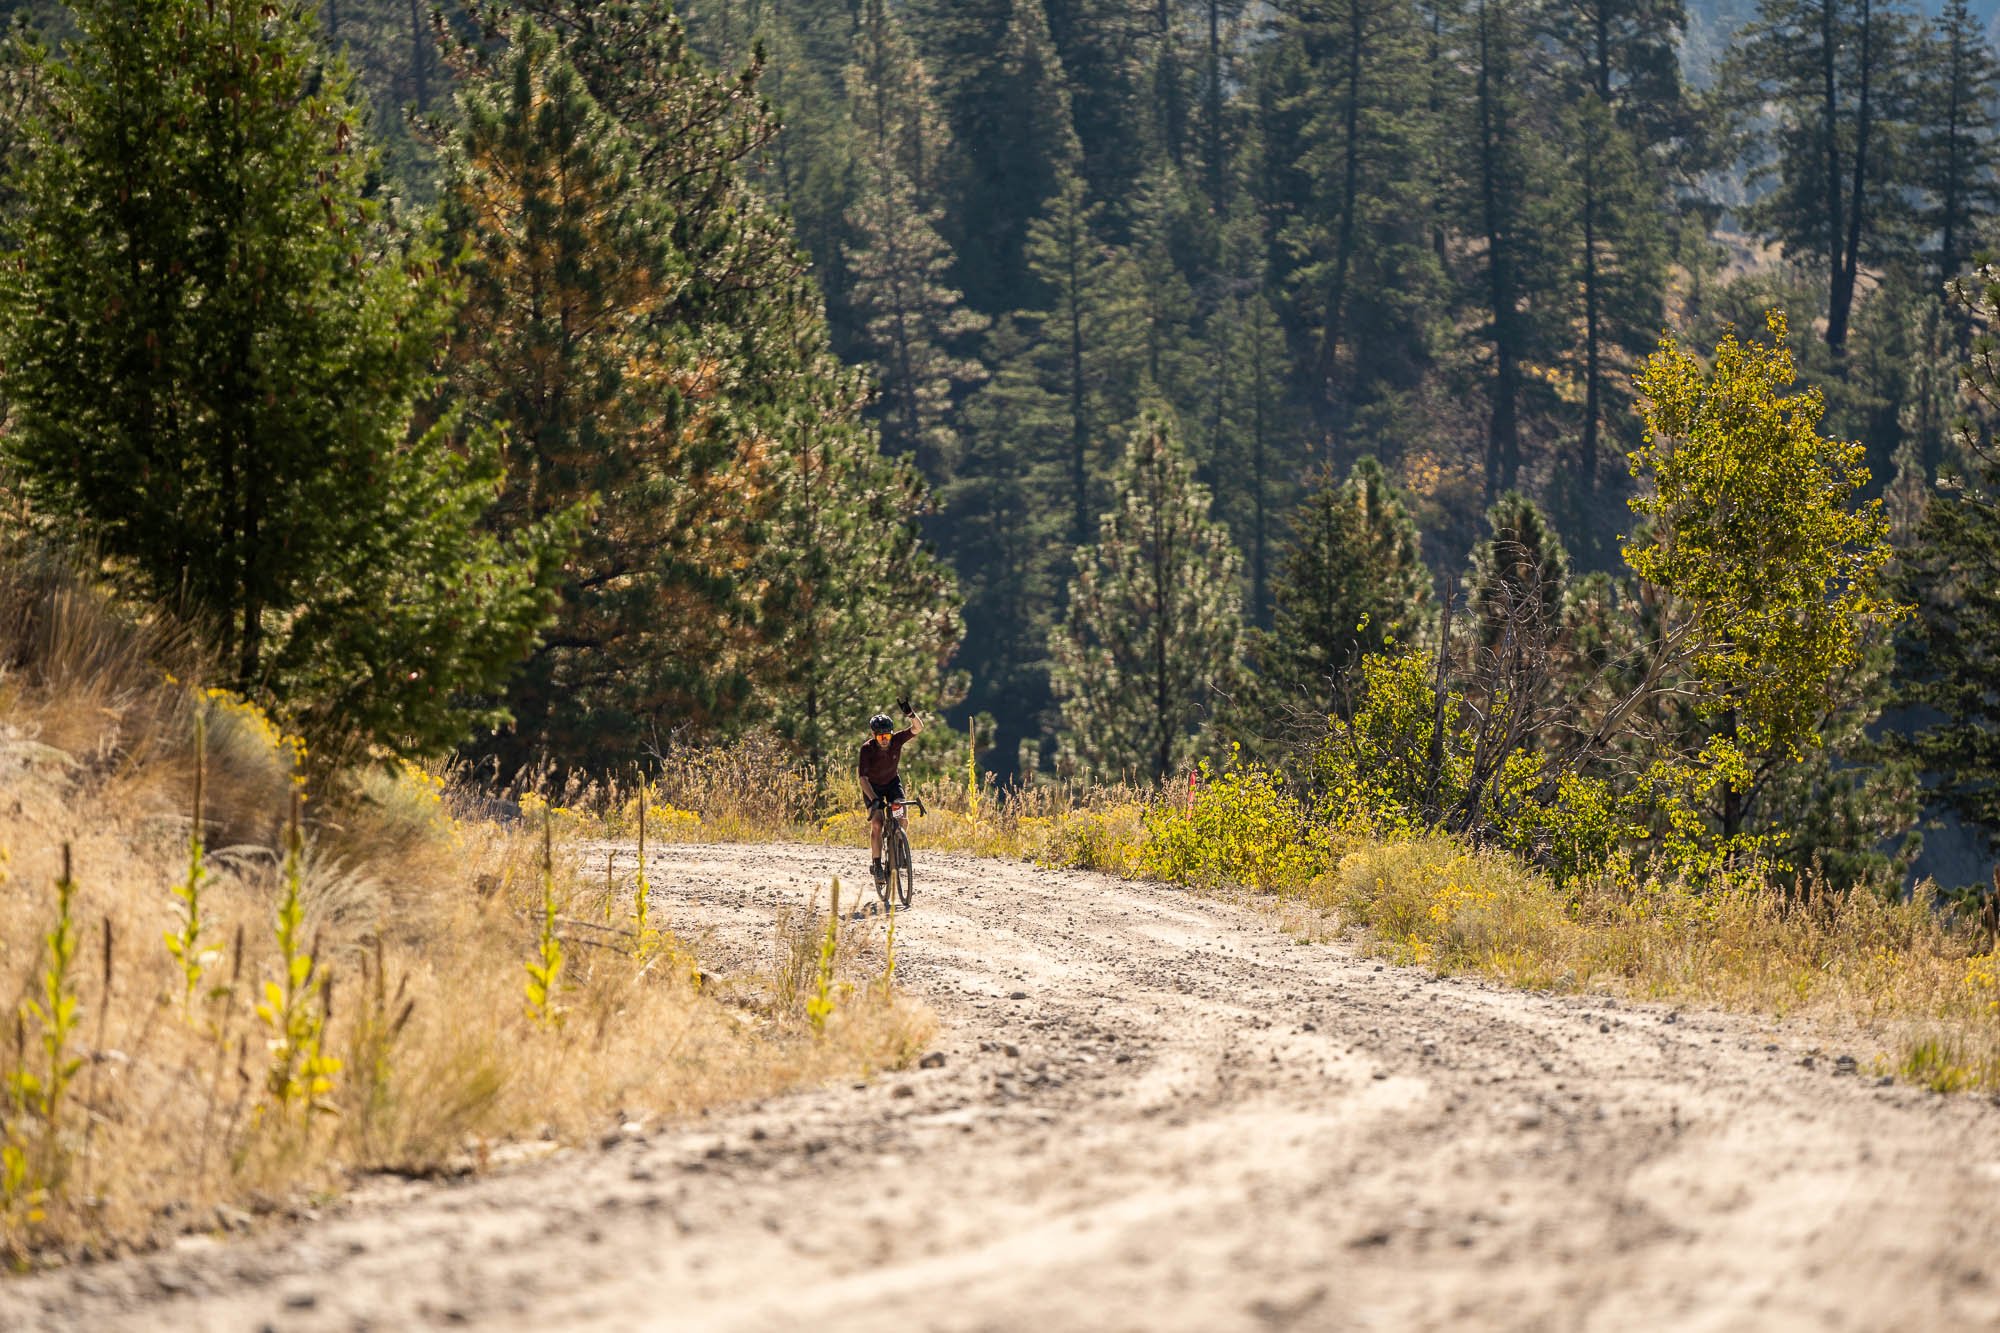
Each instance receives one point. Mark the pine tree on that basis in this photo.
(1153, 622)
(1519, 578)
(908, 314)
(1163, 208)
(863, 610)
(1957, 144)
(1250, 442)
(697, 134)
(895, 102)
(910, 319)
(1126, 86)
(1089, 338)
(1503, 204)
(562, 341)
(1353, 583)
(1625, 116)
(1006, 531)
(1367, 282)
(1007, 100)
(1828, 82)
(1220, 22)
(1948, 657)
(214, 348)
(815, 169)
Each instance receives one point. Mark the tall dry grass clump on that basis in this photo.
(227, 990)
(1922, 982)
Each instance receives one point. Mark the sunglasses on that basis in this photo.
(883, 735)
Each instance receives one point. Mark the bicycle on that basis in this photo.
(898, 876)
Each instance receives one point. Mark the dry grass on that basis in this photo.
(1921, 984)
(1069, 826)
(420, 921)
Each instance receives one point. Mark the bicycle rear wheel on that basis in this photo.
(902, 878)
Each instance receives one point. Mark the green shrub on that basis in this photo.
(1242, 828)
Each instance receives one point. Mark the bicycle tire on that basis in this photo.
(902, 879)
(884, 883)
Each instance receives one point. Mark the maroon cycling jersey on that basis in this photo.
(877, 766)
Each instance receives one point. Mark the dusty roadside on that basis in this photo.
(1159, 1112)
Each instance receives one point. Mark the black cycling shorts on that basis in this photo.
(892, 790)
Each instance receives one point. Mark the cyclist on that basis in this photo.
(880, 754)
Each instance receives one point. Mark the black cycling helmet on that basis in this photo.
(880, 723)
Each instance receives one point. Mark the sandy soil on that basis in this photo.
(1157, 1111)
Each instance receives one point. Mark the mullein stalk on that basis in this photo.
(185, 944)
(642, 906)
(545, 969)
(820, 1007)
(55, 1013)
(300, 1070)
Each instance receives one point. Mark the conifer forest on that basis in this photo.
(1565, 423)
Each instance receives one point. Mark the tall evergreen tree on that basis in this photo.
(909, 317)
(1249, 438)
(895, 101)
(214, 348)
(1352, 583)
(1625, 115)
(1827, 83)
(1006, 528)
(862, 611)
(1366, 279)
(1505, 142)
(1221, 54)
(1127, 88)
(641, 316)
(910, 321)
(1008, 104)
(1520, 573)
(567, 259)
(1957, 147)
(1162, 207)
(1089, 337)
(1949, 654)
(817, 168)
(1153, 618)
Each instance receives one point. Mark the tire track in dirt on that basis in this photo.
(1158, 1111)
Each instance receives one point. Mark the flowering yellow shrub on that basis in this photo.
(234, 719)
(1982, 978)
(535, 806)
(423, 785)
(1244, 828)
(662, 817)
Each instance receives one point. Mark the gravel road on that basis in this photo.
(1158, 1111)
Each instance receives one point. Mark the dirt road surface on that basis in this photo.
(1157, 1111)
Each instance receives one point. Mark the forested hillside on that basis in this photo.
(1315, 233)
(1213, 356)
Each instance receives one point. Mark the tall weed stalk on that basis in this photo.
(295, 1007)
(32, 1169)
(820, 1007)
(185, 943)
(545, 968)
(642, 908)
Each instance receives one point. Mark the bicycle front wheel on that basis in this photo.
(902, 879)
(885, 882)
